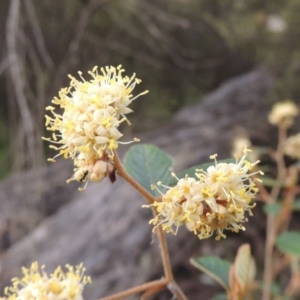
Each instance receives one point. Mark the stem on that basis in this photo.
(137, 289)
(271, 219)
(179, 293)
(151, 292)
(268, 266)
(163, 247)
(123, 173)
(161, 236)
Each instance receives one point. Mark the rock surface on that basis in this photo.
(105, 226)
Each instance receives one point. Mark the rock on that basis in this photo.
(105, 227)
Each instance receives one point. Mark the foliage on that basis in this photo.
(148, 164)
(191, 47)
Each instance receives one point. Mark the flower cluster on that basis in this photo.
(36, 284)
(88, 129)
(283, 113)
(216, 200)
(292, 146)
(238, 146)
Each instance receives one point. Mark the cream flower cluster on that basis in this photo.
(88, 128)
(292, 146)
(283, 113)
(238, 146)
(37, 285)
(215, 201)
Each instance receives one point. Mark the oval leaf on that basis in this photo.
(289, 242)
(272, 208)
(190, 172)
(148, 164)
(244, 267)
(271, 182)
(215, 267)
(296, 205)
(220, 296)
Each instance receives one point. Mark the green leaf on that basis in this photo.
(275, 289)
(272, 208)
(271, 182)
(190, 172)
(296, 206)
(220, 296)
(215, 267)
(148, 164)
(289, 242)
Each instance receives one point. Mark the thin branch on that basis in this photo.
(271, 219)
(164, 251)
(4, 65)
(161, 236)
(138, 289)
(123, 49)
(12, 28)
(73, 48)
(41, 47)
(123, 173)
(132, 30)
(174, 287)
(168, 44)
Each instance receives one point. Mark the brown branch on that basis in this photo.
(4, 65)
(123, 173)
(12, 28)
(271, 219)
(41, 47)
(162, 239)
(138, 289)
(123, 49)
(168, 44)
(84, 19)
(131, 29)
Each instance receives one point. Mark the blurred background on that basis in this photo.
(181, 49)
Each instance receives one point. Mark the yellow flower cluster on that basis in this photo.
(216, 200)
(292, 146)
(37, 285)
(88, 128)
(283, 113)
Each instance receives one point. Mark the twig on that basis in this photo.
(4, 65)
(164, 251)
(138, 289)
(177, 291)
(84, 20)
(38, 33)
(271, 219)
(151, 292)
(122, 172)
(119, 47)
(162, 239)
(12, 27)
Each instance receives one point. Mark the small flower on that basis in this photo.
(91, 168)
(215, 201)
(283, 113)
(238, 146)
(36, 284)
(87, 130)
(292, 146)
